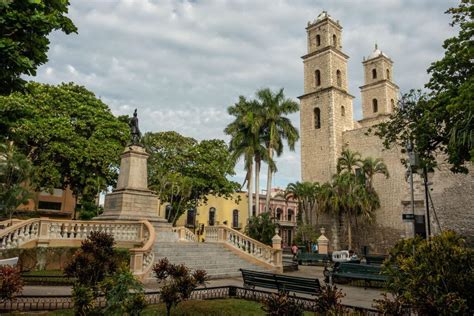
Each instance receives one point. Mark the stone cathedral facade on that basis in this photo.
(328, 126)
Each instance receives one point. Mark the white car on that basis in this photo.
(343, 256)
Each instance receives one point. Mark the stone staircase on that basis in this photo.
(215, 258)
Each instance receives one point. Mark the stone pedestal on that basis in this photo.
(132, 200)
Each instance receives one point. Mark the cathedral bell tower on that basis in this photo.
(326, 105)
(379, 93)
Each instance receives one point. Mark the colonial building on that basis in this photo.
(234, 213)
(328, 126)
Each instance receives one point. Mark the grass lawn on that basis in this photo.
(196, 308)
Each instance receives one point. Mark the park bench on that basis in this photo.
(372, 259)
(280, 282)
(307, 258)
(358, 271)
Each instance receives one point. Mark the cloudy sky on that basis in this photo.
(182, 63)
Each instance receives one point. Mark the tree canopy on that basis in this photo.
(441, 121)
(24, 29)
(184, 171)
(71, 137)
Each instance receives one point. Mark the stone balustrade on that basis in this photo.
(184, 234)
(138, 236)
(237, 241)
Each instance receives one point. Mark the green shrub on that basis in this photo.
(124, 294)
(261, 228)
(432, 277)
(329, 302)
(282, 304)
(177, 281)
(83, 298)
(10, 283)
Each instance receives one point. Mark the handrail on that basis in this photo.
(239, 242)
(185, 234)
(138, 235)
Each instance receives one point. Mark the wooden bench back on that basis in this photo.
(358, 268)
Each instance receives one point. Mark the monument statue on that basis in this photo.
(134, 130)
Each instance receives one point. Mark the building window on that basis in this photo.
(375, 105)
(338, 78)
(392, 102)
(191, 217)
(290, 214)
(388, 74)
(212, 216)
(235, 219)
(374, 73)
(317, 118)
(317, 78)
(168, 212)
(278, 214)
(254, 213)
(334, 40)
(343, 111)
(53, 206)
(318, 40)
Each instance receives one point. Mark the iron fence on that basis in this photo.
(58, 302)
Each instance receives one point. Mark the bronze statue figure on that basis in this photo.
(134, 130)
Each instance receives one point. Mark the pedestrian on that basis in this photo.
(294, 251)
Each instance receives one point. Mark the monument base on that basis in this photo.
(134, 205)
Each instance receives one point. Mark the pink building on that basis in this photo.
(284, 212)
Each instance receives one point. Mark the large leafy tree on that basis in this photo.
(71, 137)
(443, 119)
(276, 128)
(24, 29)
(184, 171)
(15, 171)
(432, 277)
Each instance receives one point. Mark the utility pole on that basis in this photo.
(412, 162)
(428, 225)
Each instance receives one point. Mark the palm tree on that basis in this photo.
(306, 194)
(246, 142)
(276, 127)
(371, 167)
(348, 161)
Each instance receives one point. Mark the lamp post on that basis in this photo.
(412, 162)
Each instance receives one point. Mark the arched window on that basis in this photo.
(375, 105)
(212, 216)
(388, 74)
(278, 213)
(290, 214)
(374, 73)
(343, 111)
(318, 40)
(168, 212)
(190, 219)
(317, 78)
(339, 78)
(317, 118)
(235, 219)
(334, 40)
(392, 102)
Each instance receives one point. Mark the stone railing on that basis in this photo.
(137, 236)
(256, 251)
(7, 223)
(184, 234)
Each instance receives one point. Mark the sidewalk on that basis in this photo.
(355, 296)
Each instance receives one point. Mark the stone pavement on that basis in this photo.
(355, 296)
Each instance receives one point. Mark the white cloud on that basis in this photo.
(182, 63)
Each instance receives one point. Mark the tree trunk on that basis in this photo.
(250, 189)
(257, 186)
(269, 182)
(349, 232)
